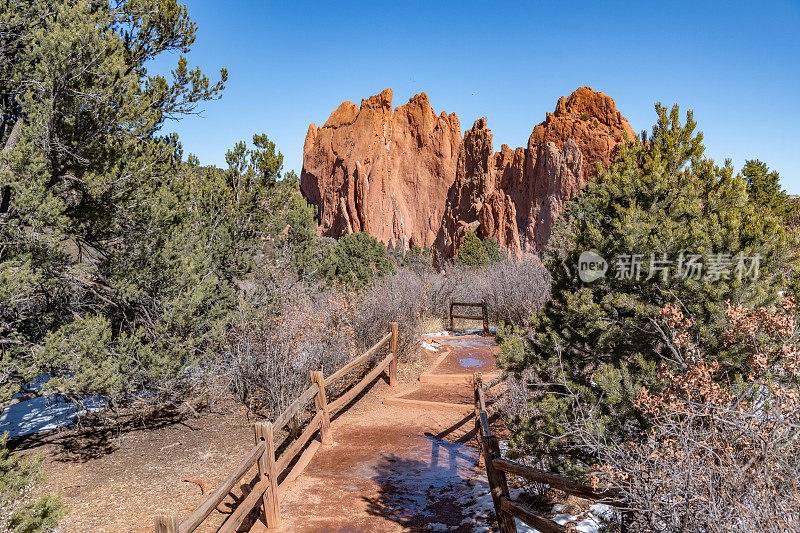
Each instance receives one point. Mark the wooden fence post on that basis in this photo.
(393, 363)
(266, 467)
(322, 406)
(477, 381)
(485, 314)
(498, 484)
(451, 315)
(166, 522)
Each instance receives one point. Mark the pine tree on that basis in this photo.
(472, 252)
(764, 188)
(493, 252)
(355, 260)
(87, 197)
(302, 235)
(20, 512)
(659, 202)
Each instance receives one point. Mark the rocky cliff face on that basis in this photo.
(381, 171)
(407, 176)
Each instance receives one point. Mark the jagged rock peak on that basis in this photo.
(407, 176)
(372, 168)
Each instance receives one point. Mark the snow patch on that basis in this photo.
(479, 505)
(431, 346)
(593, 520)
(437, 334)
(522, 527)
(45, 413)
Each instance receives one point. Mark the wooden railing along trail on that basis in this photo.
(484, 317)
(506, 509)
(264, 493)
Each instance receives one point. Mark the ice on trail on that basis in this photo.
(478, 331)
(445, 333)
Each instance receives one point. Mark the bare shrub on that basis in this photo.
(404, 298)
(282, 331)
(283, 327)
(720, 454)
(514, 289)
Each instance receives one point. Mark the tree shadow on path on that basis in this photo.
(436, 489)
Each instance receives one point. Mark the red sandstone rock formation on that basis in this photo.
(407, 176)
(515, 196)
(385, 172)
(476, 201)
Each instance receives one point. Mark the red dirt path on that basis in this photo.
(390, 468)
(398, 468)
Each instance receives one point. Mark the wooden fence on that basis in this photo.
(484, 314)
(506, 509)
(264, 492)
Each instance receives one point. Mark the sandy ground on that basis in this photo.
(116, 481)
(392, 469)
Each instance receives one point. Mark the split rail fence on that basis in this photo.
(506, 509)
(483, 317)
(265, 491)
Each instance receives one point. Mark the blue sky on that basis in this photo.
(736, 64)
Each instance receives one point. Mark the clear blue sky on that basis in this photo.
(736, 64)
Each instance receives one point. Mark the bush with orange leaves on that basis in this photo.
(721, 453)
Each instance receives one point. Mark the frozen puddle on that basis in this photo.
(465, 344)
(471, 362)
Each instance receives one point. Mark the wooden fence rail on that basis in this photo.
(264, 494)
(484, 317)
(506, 509)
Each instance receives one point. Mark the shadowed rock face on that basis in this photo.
(408, 176)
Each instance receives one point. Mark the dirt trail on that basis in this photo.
(392, 467)
(397, 466)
